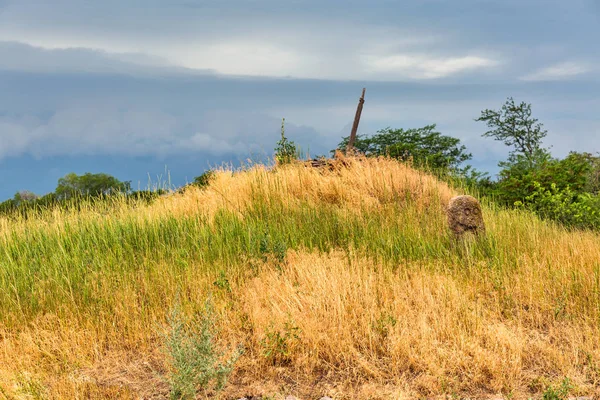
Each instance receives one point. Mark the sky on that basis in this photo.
(155, 92)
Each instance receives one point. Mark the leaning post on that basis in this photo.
(361, 101)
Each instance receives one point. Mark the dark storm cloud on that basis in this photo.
(212, 79)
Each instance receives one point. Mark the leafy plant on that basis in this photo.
(277, 344)
(565, 206)
(222, 282)
(559, 393)
(384, 324)
(270, 247)
(195, 361)
(286, 151)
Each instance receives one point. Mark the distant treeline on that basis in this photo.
(77, 192)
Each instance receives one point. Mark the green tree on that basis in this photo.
(424, 146)
(514, 125)
(528, 161)
(24, 196)
(88, 184)
(530, 165)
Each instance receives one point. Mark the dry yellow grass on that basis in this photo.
(506, 316)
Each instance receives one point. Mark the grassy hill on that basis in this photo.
(342, 282)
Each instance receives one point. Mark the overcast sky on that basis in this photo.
(131, 87)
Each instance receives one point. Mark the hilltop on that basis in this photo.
(342, 282)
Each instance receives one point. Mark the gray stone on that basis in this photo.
(465, 216)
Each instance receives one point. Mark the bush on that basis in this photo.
(518, 178)
(204, 179)
(565, 206)
(424, 147)
(193, 356)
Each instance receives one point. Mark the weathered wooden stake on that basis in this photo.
(359, 108)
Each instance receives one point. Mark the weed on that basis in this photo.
(222, 282)
(559, 393)
(195, 361)
(269, 247)
(384, 324)
(286, 151)
(277, 344)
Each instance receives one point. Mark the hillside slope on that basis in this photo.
(342, 282)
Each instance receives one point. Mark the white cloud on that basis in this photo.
(564, 70)
(425, 67)
(250, 58)
(314, 48)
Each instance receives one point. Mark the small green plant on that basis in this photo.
(222, 282)
(269, 247)
(195, 361)
(384, 324)
(559, 393)
(286, 151)
(277, 344)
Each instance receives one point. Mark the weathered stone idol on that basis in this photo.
(464, 215)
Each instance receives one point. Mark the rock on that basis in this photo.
(326, 398)
(290, 398)
(464, 215)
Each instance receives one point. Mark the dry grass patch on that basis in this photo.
(358, 323)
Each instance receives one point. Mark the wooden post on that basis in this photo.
(359, 108)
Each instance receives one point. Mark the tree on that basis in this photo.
(593, 177)
(89, 184)
(514, 125)
(517, 180)
(530, 170)
(424, 146)
(24, 196)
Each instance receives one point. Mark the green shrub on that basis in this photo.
(565, 206)
(204, 179)
(195, 361)
(559, 393)
(286, 151)
(277, 344)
